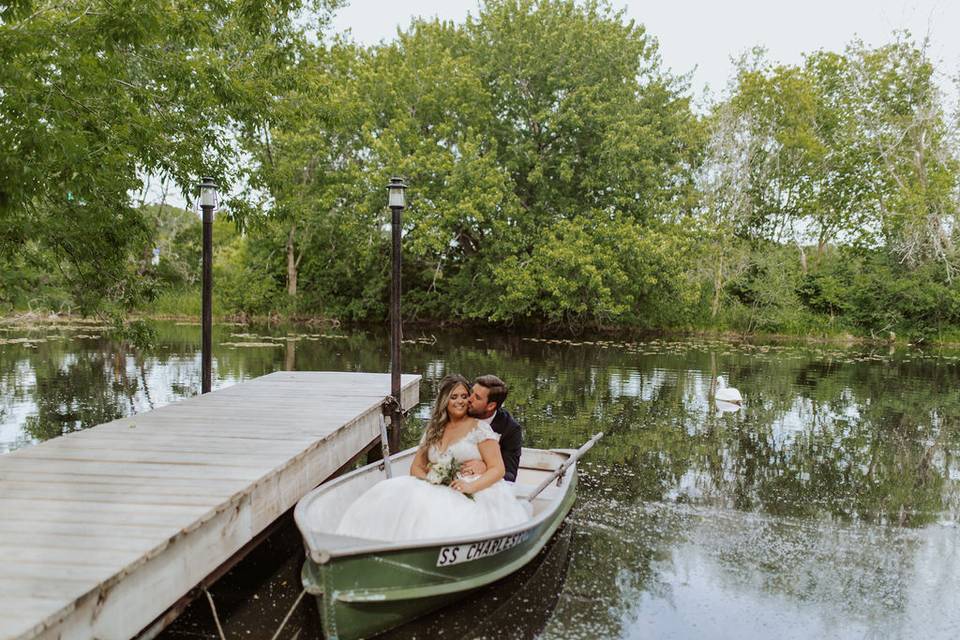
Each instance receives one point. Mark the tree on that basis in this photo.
(851, 150)
(566, 131)
(913, 147)
(94, 97)
(726, 204)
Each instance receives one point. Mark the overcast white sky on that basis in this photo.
(702, 35)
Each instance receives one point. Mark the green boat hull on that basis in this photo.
(365, 594)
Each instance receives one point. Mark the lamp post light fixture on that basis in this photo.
(396, 202)
(208, 202)
(396, 188)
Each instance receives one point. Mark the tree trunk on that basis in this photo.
(803, 259)
(291, 264)
(717, 286)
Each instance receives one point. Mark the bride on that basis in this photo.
(410, 507)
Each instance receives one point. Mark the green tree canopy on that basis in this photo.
(98, 95)
(543, 171)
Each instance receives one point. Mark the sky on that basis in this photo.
(702, 36)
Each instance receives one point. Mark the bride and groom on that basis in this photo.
(467, 427)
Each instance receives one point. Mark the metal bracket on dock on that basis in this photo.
(391, 405)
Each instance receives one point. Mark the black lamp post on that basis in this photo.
(396, 202)
(208, 201)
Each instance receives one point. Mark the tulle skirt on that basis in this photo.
(408, 508)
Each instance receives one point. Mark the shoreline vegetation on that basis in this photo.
(33, 320)
(581, 189)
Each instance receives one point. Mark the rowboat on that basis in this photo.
(364, 587)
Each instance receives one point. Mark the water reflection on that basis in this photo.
(829, 498)
(677, 571)
(255, 598)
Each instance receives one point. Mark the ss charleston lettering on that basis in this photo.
(477, 550)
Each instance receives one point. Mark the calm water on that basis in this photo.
(826, 507)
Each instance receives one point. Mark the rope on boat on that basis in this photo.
(287, 617)
(216, 617)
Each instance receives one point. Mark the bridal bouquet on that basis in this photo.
(444, 471)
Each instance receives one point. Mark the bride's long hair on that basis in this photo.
(439, 416)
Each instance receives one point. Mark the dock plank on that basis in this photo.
(16, 541)
(95, 510)
(107, 527)
(139, 455)
(186, 441)
(196, 471)
(126, 494)
(222, 486)
(156, 534)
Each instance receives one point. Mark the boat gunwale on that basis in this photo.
(342, 546)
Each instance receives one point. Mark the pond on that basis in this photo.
(827, 506)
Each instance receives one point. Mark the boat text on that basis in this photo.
(477, 550)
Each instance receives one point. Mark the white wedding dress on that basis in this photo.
(408, 508)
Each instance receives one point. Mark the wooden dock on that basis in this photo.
(102, 530)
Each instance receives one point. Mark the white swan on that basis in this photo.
(727, 394)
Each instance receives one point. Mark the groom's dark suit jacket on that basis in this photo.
(511, 440)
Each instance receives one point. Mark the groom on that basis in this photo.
(486, 403)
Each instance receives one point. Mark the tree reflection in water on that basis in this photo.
(829, 499)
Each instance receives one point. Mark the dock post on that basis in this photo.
(208, 199)
(396, 202)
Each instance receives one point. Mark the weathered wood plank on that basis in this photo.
(250, 458)
(96, 511)
(16, 606)
(122, 606)
(125, 494)
(43, 476)
(54, 592)
(72, 520)
(135, 469)
(192, 424)
(17, 612)
(10, 572)
(276, 430)
(154, 534)
(188, 442)
(106, 559)
(13, 542)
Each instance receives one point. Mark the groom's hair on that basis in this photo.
(496, 387)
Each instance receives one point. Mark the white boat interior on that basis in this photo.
(319, 512)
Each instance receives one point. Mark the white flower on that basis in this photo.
(434, 476)
(441, 471)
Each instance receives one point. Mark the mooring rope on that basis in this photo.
(216, 618)
(287, 617)
(276, 634)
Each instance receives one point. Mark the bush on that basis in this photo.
(887, 296)
(244, 282)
